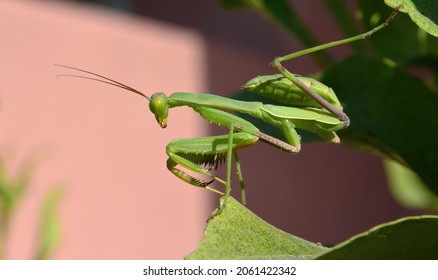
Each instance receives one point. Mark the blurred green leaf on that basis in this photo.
(231, 4)
(413, 238)
(12, 190)
(50, 226)
(408, 188)
(342, 15)
(237, 233)
(423, 12)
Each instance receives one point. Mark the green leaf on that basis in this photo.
(423, 12)
(412, 238)
(50, 225)
(408, 188)
(12, 190)
(231, 4)
(392, 112)
(399, 41)
(237, 233)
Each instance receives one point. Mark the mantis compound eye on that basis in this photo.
(159, 107)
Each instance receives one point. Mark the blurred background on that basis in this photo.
(103, 152)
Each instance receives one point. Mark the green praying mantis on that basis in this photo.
(308, 105)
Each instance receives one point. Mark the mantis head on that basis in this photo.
(159, 107)
(157, 102)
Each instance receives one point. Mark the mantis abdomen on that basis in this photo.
(281, 89)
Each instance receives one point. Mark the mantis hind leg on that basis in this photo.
(240, 176)
(230, 152)
(292, 145)
(228, 174)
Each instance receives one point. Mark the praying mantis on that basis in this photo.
(308, 105)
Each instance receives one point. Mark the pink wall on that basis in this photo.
(107, 151)
(102, 144)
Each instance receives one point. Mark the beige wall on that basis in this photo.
(107, 151)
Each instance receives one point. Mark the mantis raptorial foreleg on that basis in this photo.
(203, 154)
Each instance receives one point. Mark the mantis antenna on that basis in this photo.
(104, 79)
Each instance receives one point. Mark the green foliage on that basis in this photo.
(12, 192)
(386, 108)
(423, 12)
(412, 238)
(50, 225)
(388, 105)
(394, 114)
(408, 188)
(401, 30)
(237, 233)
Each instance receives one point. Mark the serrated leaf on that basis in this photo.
(412, 238)
(237, 233)
(423, 12)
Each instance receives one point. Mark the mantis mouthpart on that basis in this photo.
(308, 105)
